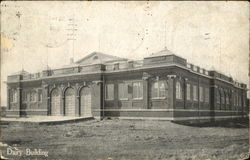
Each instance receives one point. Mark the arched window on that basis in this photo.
(159, 89)
(178, 90)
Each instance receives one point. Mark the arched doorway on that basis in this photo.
(85, 102)
(70, 102)
(55, 103)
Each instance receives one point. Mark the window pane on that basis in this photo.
(11, 96)
(178, 90)
(201, 94)
(110, 91)
(207, 94)
(158, 89)
(33, 96)
(24, 96)
(40, 95)
(15, 96)
(239, 100)
(123, 90)
(188, 91)
(28, 96)
(154, 90)
(218, 96)
(195, 92)
(137, 90)
(140, 90)
(162, 89)
(222, 97)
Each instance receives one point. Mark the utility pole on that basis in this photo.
(18, 14)
(165, 35)
(71, 33)
(220, 52)
(99, 43)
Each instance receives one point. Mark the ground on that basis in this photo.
(127, 139)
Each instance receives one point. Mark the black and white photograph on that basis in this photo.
(124, 80)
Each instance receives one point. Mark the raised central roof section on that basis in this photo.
(164, 57)
(99, 58)
(164, 52)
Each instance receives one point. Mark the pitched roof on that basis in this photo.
(98, 57)
(161, 53)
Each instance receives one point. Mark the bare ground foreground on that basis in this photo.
(126, 139)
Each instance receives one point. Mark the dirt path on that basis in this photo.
(123, 139)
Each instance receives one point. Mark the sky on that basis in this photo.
(212, 35)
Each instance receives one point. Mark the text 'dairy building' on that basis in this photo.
(161, 86)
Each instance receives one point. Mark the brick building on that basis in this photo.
(161, 86)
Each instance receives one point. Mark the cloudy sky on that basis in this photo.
(213, 35)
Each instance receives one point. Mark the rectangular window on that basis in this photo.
(178, 90)
(33, 96)
(222, 97)
(154, 90)
(188, 92)
(207, 95)
(40, 95)
(227, 99)
(137, 90)
(236, 99)
(195, 96)
(27, 96)
(109, 94)
(244, 101)
(195, 68)
(123, 90)
(218, 96)
(240, 101)
(13, 96)
(24, 96)
(201, 94)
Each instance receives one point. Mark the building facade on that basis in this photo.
(162, 86)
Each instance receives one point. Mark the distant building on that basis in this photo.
(161, 86)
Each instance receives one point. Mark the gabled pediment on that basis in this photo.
(99, 58)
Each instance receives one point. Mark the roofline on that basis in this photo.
(125, 70)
